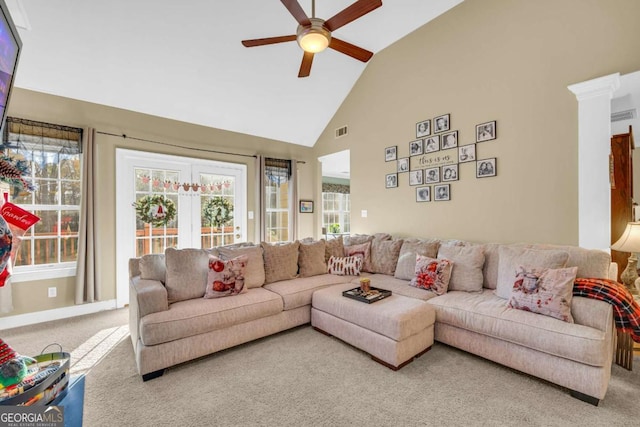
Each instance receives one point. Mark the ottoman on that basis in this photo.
(393, 330)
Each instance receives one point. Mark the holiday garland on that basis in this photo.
(156, 210)
(217, 211)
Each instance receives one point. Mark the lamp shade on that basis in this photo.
(630, 239)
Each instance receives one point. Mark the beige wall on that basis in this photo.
(503, 60)
(32, 296)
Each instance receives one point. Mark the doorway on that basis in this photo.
(336, 194)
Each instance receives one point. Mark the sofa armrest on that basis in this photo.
(592, 312)
(150, 296)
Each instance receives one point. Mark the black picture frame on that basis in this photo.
(403, 165)
(416, 177)
(391, 153)
(416, 148)
(432, 144)
(423, 128)
(423, 194)
(449, 140)
(442, 192)
(450, 173)
(391, 180)
(486, 131)
(432, 175)
(442, 123)
(306, 206)
(467, 153)
(486, 168)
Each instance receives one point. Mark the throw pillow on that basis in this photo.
(357, 239)
(362, 250)
(544, 291)
(406, 266)
(467, 271)
(345, 266)
(432, 274)
(511, 258)
(153, 267)
(311, 259)
(254, 273)
(186, 273)
(226, 277)
(280, 261)
(384, 256)
(334, 247)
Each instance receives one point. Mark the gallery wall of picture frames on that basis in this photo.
(433, 158)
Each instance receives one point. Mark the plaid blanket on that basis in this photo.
(626, 311)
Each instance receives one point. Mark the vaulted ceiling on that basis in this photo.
(183, 60)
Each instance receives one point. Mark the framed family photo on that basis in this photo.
(415, 148)
(391, 153)
(442, 192)
(423, 194)
(306, 206)
(415, 177)
(431, 175)
(441, 123)
(486, 131)
(391, 180)
(423, 128)
(450, 173)
(450, 140)
(432, 144)
(403, 164)
(486, 168)
(467, 153)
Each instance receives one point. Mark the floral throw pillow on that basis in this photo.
(432, 274)
(544, 291)
(345, 266)
(226, 278)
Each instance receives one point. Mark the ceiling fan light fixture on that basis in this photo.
(314, 38)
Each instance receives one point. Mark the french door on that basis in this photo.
(197, 188)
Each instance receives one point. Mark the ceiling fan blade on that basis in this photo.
(351, 13)
(305, 67)
(268, 40)
(350, 49)
(296, 10)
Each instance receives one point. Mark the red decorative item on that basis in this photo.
(19, 221)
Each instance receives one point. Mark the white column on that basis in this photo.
(594, 146)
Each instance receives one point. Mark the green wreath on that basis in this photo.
(217, 211)
(156, 210)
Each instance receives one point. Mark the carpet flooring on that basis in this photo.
(301, 377)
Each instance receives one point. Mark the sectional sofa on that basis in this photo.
(172, 322)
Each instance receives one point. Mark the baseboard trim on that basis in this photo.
(55, 314)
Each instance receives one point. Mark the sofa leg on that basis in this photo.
(585, 398)
(152, 375)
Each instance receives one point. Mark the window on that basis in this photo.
(277, 207)
(336, 209)
(53, 154)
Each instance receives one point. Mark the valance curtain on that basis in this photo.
(336, 188)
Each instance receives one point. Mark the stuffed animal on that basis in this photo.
(13, 368)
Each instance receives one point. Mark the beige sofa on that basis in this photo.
(170, 324)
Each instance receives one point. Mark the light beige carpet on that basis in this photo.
(301, 377)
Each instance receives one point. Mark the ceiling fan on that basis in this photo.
(314, 34)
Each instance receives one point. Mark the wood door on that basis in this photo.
(621, 192)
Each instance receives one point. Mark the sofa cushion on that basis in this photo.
(396, 286)
(384, 255)
(153, 267)
(513, 257)
(345, 266)
(487, 314)
(280, 261)
(334, 247)
(362, 250)
(468, 262)
(432, 274)
(298, 292)
(406, 267)
(225, 277)
(544, 291)
(198, 316)
(591, 263)
(187, 271)
(254, 272)
(311, 259)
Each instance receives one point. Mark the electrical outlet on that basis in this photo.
(53, 292)
(363, 213)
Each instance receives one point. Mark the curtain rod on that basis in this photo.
(124, 136)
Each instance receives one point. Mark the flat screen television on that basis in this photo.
(10, 47)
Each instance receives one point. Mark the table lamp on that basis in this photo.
(630, 242)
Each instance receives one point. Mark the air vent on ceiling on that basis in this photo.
(340, 132)
(624, 115)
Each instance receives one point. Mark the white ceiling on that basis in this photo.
(183, 60)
